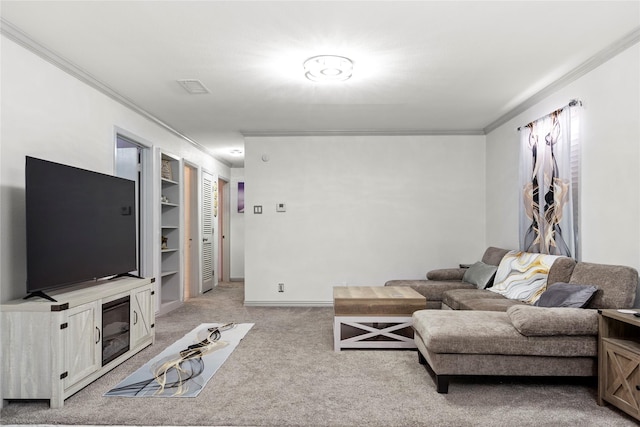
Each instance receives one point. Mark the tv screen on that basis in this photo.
(81, 225)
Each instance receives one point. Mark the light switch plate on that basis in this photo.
(281, 207)
(257, 209)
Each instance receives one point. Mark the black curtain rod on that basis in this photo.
(572, 103)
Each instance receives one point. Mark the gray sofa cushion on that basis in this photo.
(561, 270)
(444, 274)
(489, 304)
(433, 290)
(480, 274)
(493, 256)
(491, 332)
(566, 295)
(557, 321)
(616, 284)
(454, 298)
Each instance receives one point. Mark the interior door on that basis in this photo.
(207, 231)
(226, 233)
(191, 235)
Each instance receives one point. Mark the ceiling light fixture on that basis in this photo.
(325, 68)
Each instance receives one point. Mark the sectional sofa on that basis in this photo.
(469, 330)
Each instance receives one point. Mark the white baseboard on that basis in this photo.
(288, 303)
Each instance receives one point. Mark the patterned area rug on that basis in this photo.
(185, 367)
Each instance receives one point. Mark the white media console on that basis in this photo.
(51, 350)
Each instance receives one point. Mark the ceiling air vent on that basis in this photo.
(193, 86)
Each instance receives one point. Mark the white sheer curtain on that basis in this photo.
(549, 173)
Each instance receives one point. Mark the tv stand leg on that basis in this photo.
(56, 402)
(41, 295)
(117, 276)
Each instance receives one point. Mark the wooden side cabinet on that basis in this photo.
(619, 361)
(51, 350)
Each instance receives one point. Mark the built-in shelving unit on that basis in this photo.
(170, 288)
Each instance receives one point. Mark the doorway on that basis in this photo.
(133, 161)
(224, 240)
(191, 232)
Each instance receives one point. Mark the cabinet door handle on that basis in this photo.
(99, 335)
(135, 317)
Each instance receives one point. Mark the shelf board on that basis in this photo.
(169, 250)
(174, 227)
(168, 273)
(169, 181)
(170, 205)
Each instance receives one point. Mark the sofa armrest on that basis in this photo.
(446, 274)
(534, 321)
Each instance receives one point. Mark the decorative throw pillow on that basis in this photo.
(566, 295)
(523, 275)
(480, 274)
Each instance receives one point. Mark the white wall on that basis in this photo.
(360, 211)
(236, 227)
(610, 174)
(47, 113)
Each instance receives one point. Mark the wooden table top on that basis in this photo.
(621, 316)
(377, 300)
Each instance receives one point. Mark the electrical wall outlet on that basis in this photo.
(280, 287)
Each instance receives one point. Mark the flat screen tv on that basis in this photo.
(81, 225)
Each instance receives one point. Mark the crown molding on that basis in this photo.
(589, 65)
(13, 33)
(362, 132)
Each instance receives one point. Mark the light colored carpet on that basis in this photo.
(285, 373)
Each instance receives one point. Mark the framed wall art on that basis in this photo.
(241, 197)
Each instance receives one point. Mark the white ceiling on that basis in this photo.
(419, 66)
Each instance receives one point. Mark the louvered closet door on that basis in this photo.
(207, 232)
